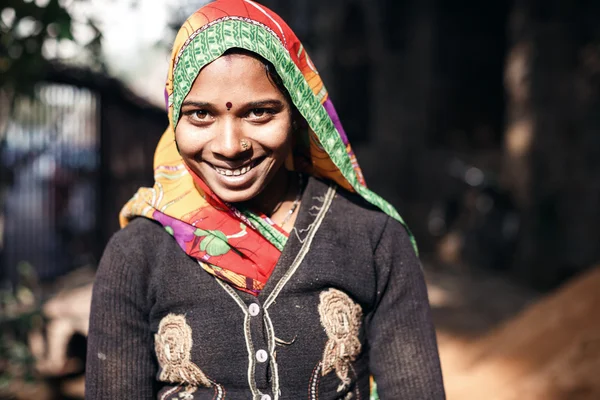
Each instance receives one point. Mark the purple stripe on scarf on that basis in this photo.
(336, 120)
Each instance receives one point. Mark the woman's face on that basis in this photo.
(235, 128)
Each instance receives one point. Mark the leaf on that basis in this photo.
(220, 235)
(215, 243)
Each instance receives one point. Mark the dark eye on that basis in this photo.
(257, 112)
(200, 114)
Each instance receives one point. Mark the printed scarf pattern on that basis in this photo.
(234, 245)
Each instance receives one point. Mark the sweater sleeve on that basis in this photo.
(120, 359)
(403, 354)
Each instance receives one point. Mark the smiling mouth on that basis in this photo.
(238, 171)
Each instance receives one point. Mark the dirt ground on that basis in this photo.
(501, 342)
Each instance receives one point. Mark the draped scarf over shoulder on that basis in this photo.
(238, 246)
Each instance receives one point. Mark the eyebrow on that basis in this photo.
(264, 103)
(252, 104)
(200, 104)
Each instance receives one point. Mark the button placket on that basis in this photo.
(259, 345)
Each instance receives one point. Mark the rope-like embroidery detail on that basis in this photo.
(173, 346)
(341, 318)
(273, 359)
(188, 394)
(219, 392)
(170, 392)
(313, 384)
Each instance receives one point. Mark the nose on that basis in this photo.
(229, 141)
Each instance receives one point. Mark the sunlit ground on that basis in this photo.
(548, 351)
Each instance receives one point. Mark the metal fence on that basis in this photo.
(50, 160)
(70, 156)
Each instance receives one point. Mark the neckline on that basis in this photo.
(313, 197)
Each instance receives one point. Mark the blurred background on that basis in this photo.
(479, 121)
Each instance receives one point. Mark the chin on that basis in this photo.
(235, 195)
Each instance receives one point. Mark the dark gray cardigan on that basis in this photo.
(347, 299)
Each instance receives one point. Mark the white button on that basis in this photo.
(254, 309)
(261, 356)
(265, 397)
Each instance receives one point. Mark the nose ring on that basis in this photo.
(244, 144)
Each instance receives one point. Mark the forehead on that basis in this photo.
(234, 75)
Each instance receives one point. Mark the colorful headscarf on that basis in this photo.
(238, 246)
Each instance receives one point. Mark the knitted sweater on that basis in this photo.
(346, 300)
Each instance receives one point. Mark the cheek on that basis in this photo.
(189, 142)
(278, 139)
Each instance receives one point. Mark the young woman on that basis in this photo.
(259, 266)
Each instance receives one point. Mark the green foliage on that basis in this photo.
(28, 32)
(20, 313)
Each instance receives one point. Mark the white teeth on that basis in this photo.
(233, 172)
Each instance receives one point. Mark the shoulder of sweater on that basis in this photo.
(353, 208)
(139, 239)
(350, 211)
(127, 265)
(141, 230)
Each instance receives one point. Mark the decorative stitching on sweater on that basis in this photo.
(173, 346)
(301, 231)
(188, 394)
(356, 388)
(247, 335)
(273, 359)
(282, 342)
(170, 392)
(313, 383)
(305, 246)
(282, 282)
(219, 392)
(341, 318)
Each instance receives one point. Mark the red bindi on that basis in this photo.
(228, 105)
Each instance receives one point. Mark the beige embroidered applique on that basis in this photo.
(341, 318)
(173, 346)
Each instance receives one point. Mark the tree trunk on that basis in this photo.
(551, 162)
